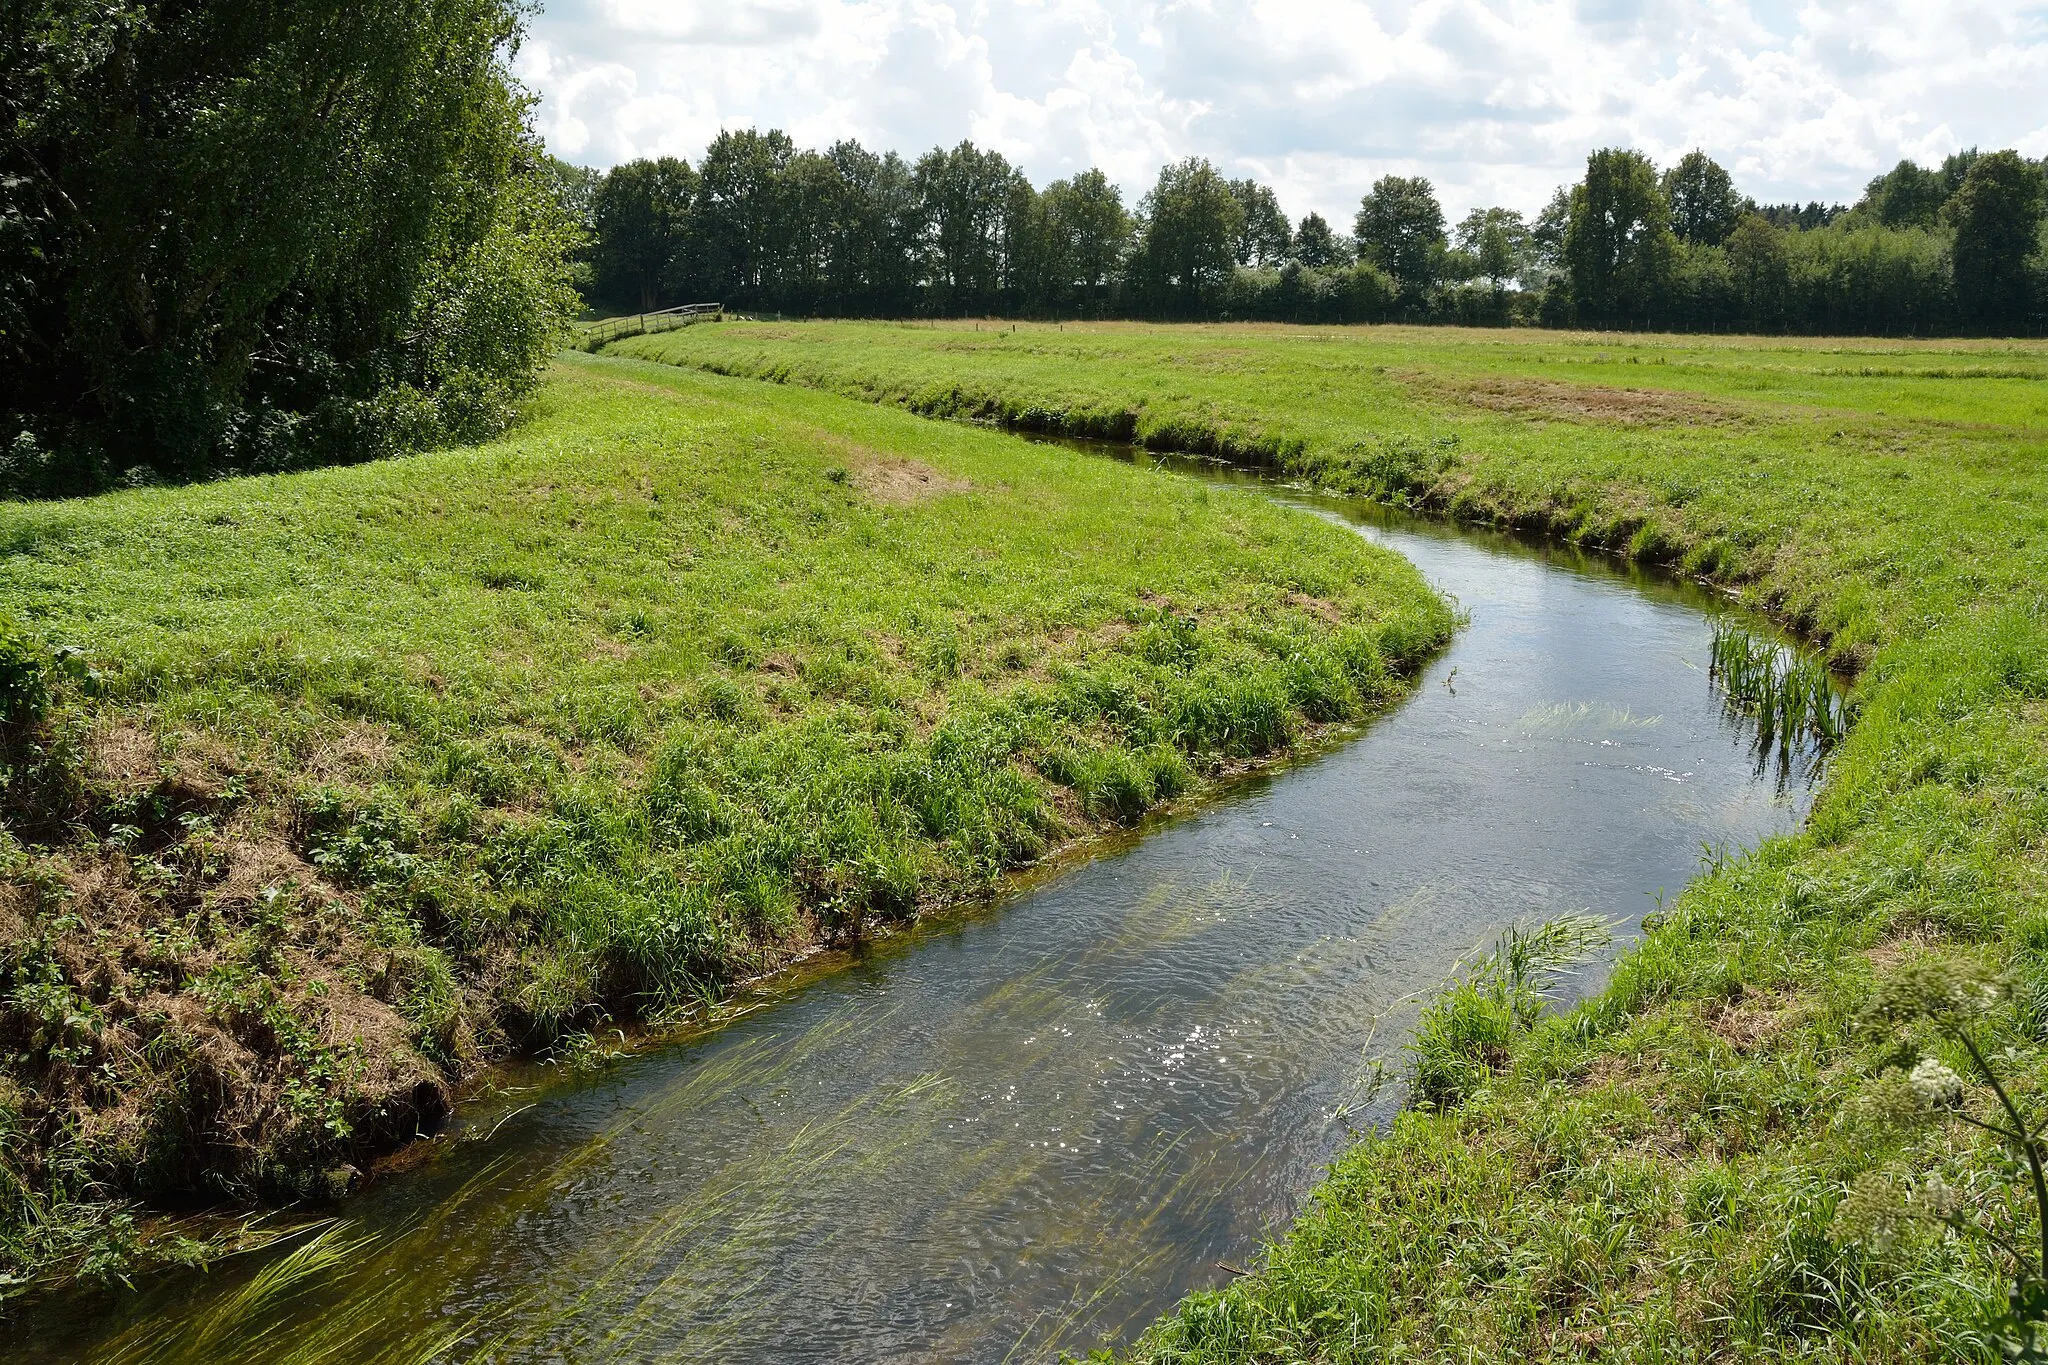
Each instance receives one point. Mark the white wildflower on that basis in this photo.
(1936, 1198)
(1937, 1086)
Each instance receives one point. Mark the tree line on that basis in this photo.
(244, 238)
(761, 224)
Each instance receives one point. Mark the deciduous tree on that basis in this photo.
(1498, 242)
(1704, 205)
(1191, 222)
(229, 231)
(1263, 238)
(1315, 245)
(641, 213)
(1618, 247)
(1400, 229)
(1996, 215)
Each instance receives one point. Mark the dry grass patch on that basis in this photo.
(1552, 399)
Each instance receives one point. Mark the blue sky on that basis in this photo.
(1495, 102)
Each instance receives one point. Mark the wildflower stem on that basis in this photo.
(2008, 1134)
(2027, 1143)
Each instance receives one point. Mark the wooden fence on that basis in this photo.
(639, 324)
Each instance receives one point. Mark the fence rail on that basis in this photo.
(639, 324)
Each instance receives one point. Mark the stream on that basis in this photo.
(1034, 1127)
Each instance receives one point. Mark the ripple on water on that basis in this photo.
(1040, 1126)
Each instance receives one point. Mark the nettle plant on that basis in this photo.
(1923, 1003)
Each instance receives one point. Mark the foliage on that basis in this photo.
(1882, 1207)
(1187, 239)
(1909, 195)
(848, 232)
(1087, 231)
(1497, 241)
(222, 237)
(975, 231)
(1263, 237)
(1618, 248)
(1704, 205)
(1997, 216)
(1315, 245)
(639, 216)
(1400, 229)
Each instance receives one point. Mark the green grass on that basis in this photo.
(390, 769)
(1652, 1175)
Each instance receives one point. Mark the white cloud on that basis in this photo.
(1498, 101)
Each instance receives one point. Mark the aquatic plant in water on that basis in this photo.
(1791, 699)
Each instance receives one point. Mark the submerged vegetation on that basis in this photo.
(322, 788)
(1655, 1174)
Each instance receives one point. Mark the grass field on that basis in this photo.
(1660, 1173)
(361, 776)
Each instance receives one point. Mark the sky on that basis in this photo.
(1497, 103)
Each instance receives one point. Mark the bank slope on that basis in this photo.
(325, 787)
(1658, 1174)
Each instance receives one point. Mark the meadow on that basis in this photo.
(1689, 1165)
(324, 789)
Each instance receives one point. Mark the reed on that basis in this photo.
(1794, 703)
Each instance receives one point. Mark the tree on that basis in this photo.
(1315, 245)
(740, 222)
(574, 188)
(1547, 234)
(1905, 196)
(1805, 217)
(641, 213)
(965, 194)
(1264, 236)
(1760, 265)
(1704, 205)
(229, 231)
(811, 200)
(1497, 240)
(1090, 233)
(1400, 229)
(1618, 247)
(1191, 222)
(875, 233)
(1996, 215)
(1955, 168)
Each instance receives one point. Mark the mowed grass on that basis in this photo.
(1654, 1174)
(391, 768)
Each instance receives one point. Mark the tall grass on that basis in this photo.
(360, 777)
(1792, 699)
(1654, 1174)
(1470, 1027)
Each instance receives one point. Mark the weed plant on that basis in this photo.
(1654, 1175)
(349, 780)
(1792, 699)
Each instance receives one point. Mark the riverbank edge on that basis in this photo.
(1320, 1291)
(119, 1237)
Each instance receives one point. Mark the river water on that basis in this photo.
(1033, 1128)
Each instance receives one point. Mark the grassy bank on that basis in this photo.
(343, 782)
(1655, 1175)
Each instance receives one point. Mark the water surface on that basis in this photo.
(1036, 1127)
